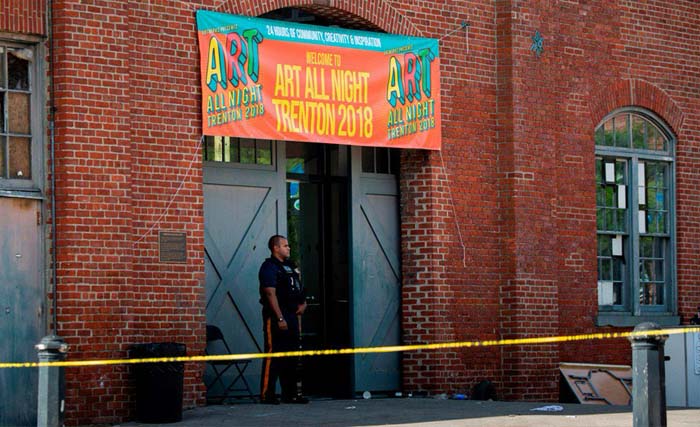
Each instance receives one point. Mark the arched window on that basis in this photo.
(635, 219)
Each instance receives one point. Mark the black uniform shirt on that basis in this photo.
(284, 278)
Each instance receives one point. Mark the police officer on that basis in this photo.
(283, 299)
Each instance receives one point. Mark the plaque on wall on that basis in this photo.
(172, 246)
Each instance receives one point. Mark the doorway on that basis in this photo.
(338, 205)
(317, 227)
(22, 304)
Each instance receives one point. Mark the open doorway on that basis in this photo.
(317, 224)
(339, 207)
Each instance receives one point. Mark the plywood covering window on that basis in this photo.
(635, 218)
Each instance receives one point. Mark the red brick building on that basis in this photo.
(564, 199)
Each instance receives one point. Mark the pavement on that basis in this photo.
(418, 412)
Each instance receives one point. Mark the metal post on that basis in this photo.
(648, 376)
(51, 382)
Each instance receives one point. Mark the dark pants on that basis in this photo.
(284, 368)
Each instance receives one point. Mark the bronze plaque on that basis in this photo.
(172, 246)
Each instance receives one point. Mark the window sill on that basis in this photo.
(626, 319)
(22, 194)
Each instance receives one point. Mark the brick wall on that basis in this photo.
(667, 81)
(94, 206)
(598, 56)
(167, 177)
(497, 231)
(498, 236)
(23, 16)
(451, 224)
(528, 291)
(128, 166)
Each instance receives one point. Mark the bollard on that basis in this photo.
(648, 377)
(51, 382)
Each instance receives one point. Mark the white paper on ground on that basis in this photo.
(549, 408)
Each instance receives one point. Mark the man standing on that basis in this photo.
(283, 299)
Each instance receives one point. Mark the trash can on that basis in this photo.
(158, 385)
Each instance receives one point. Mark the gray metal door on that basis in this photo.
(242, 209)
(21, 305)
(376, 280)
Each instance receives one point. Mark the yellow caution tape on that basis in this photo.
(384, 349)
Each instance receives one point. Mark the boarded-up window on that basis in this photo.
(20, 157)
(15, 112)
(18, 112)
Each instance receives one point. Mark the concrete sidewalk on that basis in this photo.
(417, 412)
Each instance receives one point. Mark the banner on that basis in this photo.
(277, 80)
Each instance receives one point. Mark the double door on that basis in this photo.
(342, 224)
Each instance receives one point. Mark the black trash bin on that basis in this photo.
(158, 385)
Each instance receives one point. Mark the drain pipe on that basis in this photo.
(52, 155)
(51, 384)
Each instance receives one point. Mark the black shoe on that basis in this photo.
(273, 401)
(296, 399)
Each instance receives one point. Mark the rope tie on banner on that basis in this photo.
(464, 25)
(363, 350)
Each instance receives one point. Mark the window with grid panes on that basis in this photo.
(634, 212)
(242, 151)
(380, 160)
(16, 106)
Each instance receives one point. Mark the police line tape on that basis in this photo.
(344, 351)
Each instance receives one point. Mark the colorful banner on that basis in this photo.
(285, 81)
